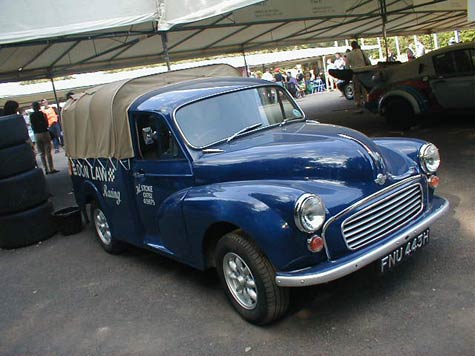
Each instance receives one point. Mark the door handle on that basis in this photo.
(139, 174)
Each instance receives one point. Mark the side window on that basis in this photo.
(155, 140)
(276, 105)
(451, 64)
(463, 62)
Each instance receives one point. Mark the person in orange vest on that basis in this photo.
(53, 125)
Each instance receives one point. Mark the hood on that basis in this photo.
(299, 151)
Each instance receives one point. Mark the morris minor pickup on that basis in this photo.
(218, 171)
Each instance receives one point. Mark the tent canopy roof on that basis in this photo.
(223, 27)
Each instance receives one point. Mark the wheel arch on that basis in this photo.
(236, 207)
(399, 94)
(212, 235)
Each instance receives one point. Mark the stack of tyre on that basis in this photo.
(25, 211)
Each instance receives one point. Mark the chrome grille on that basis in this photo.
(382, 217)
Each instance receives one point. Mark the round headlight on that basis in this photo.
(429, 157)
(309, 213)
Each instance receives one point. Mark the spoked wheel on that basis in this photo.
(240, 281)
(103, 230)
(249, 279)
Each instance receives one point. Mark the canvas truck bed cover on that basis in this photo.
(95, 123)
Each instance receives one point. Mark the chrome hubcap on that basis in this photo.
(240, 280)
(102, 227)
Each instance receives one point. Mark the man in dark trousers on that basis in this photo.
(39, 125)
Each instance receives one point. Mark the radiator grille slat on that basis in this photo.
(388, 202)
(382, 214)
(382, 217)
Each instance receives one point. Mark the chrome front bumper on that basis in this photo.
(331, 270)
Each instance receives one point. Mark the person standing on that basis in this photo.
(356, 58)
(420, 49)
(339, 62)
(268, 76)
(39, 124)
(10, 108)
(53, 125)
(292, 85)
(278, 77)
(331, 81)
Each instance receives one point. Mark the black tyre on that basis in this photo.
(349, 91)
(23, 191)
(399, 114)
(249, 279)
(13, 130)
(27, 227)
(103, 230)
(16, 159)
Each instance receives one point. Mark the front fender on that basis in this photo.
(408, 146)
(263, 210)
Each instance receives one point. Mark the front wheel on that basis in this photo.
(103, 230)
(249, 280)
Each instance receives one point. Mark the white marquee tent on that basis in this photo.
(90, 35)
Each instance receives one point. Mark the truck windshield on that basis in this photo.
(229, 115)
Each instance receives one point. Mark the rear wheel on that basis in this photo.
(103, 230)
(399, 114)
(249, 280)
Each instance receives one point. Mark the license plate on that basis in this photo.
(400, 254)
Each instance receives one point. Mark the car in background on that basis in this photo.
(442, 80)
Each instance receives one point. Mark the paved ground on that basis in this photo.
(67, 297)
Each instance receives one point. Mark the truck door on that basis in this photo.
(161, 175)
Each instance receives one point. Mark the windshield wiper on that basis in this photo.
(245, 129)
(288, 120)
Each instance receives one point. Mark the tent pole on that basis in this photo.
(436, 40)
(380, 49)
(384, 17)
(398, 51)
(56, 98)
(245, 62)
(165, 49)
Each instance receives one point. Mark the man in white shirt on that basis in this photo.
(339, 62)
(268, 76)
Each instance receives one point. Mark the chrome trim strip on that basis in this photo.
(375, 156)
(285, 280)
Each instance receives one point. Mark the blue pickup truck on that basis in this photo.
(219, 171)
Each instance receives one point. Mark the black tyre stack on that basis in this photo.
(25, 211)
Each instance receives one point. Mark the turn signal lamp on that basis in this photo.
(434, 181)
(315, 243)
